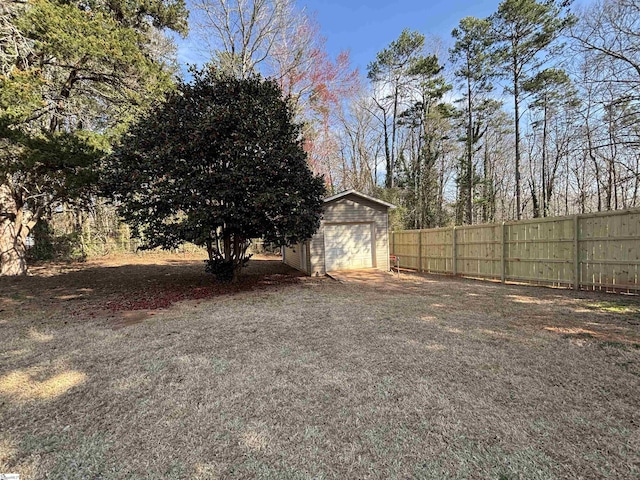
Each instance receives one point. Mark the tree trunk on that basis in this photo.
(534, 198)
(516, 108)
(544, 179)
(210, 251)
(596, 168)
(388, 180)
(391, 180)
(469, 172)
(12, 235)
(226, 245)
(234, 251)
(237, 259)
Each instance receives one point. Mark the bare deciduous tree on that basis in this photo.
(610, 30)
(241, 34)
(360, 144)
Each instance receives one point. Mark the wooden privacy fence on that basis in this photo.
(599, 251)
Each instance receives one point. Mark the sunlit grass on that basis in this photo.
(25, 385)
(615, 307)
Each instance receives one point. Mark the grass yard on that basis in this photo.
(140, 367)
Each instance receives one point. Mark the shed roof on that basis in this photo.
(358, 194)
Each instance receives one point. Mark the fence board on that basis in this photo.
(592, 251)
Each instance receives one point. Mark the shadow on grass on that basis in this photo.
(91, 289)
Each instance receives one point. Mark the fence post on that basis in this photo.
(420, 251)
(576, 253)
(453, 252)
(503, 259)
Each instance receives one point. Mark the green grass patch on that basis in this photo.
(615, 307)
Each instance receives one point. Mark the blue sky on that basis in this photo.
(366, 27)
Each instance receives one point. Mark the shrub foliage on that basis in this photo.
(218, 163)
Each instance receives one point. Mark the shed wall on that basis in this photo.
(292, 256)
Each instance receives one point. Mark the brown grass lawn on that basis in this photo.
(140, 367)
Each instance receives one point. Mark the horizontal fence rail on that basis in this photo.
(599, 251)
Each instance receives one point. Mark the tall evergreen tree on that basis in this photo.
(389, 74)
(522, 31)
(217, 164)
(470, 54)
(79, 71)
(429, 121)
(550, 90)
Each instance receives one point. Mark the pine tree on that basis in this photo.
(72, 74)
(522, 31)
(474, 71)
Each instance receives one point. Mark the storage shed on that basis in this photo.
(353, 234)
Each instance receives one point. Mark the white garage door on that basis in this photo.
(347, 246)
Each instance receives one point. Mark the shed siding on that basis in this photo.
(353, 209)
(316, 250)
(292, 256)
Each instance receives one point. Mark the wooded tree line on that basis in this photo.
(81, 81)
(73, 75)
(530, 112)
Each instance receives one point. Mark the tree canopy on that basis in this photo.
(72, 74)
(217, 164)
